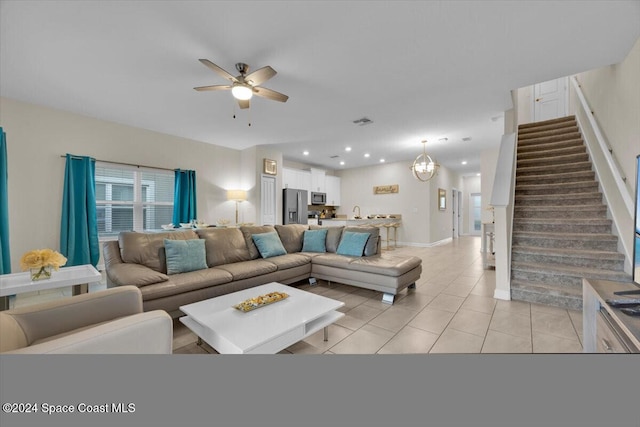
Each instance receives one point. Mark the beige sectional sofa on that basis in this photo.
(233, 263)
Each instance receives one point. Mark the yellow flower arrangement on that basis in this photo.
(41, 261)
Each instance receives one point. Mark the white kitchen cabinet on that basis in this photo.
(298, 179)
(332, 186)
(288, 177)
(318, 180)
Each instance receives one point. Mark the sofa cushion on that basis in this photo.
(285, 262)
(352, 243)
(333, 236)
(134, 274)
(248, 269)
(224, 245)
(185, 255)
(269, 244)
(148, 248)
(291, 236)
(314, 241)
(371, 247)
(250, 230)
(385, 264)
(186, 282)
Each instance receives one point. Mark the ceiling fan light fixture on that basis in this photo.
(242, 92)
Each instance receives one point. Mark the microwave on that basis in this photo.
(318, 198)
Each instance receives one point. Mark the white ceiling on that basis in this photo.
(418, 70)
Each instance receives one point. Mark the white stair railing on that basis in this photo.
(612, 182)
(502, 197)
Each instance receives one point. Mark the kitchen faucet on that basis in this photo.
(354, 209)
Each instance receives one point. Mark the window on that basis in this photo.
(132, 198)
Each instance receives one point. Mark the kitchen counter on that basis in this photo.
(337, 222)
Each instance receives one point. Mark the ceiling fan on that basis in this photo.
(244, 86)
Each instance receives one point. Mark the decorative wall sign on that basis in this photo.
(386, 189)
(270, 167)
(442, 199)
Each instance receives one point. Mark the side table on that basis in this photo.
(78, 276)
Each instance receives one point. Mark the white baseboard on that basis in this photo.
(502, 294)
(426, 245)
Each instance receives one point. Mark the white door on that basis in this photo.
(550, 99)
(268, 211)
(475, 204)
(454, 209)
(459, 213)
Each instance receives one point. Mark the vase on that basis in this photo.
(41, 273)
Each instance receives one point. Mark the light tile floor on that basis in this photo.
(452, 310)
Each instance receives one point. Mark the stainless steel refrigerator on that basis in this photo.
(295, 206)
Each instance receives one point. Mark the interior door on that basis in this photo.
(550, 99)
(268, 210)
(454, 209)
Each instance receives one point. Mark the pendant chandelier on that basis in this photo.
(423, 167)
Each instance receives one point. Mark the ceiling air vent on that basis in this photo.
(334, 157)
(363, 121)
(468, 138)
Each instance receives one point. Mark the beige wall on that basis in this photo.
(613, 94)
(422, 223)
(37, 137)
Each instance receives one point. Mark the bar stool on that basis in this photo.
(395, 226)
(388, 226)
(379, 226)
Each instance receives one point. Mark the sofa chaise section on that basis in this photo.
(384, 273)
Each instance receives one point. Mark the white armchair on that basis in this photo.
(103, 322)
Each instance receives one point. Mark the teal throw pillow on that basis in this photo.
(185, 255)
(269, 244)
(352, 243)
(314, 241)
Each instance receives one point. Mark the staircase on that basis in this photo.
(560, 228)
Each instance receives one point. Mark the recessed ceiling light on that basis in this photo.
(347, 149)
(341, 163)
(367, 154)
(381, 160)
(306, 153)
(477, 174)
(464, 162)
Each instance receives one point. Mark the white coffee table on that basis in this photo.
(266, 330)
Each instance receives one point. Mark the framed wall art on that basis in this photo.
(270, 167)
(442, 199)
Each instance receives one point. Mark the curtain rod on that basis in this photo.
(120, 163)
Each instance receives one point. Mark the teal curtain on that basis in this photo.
(79, 225)
(5, 258)
(184, 196)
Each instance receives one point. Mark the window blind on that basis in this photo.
(132, 198)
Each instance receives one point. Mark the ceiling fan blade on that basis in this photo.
(214, 87)
(218, 70)
(270, 94)
(260, 76)
(243, 103)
